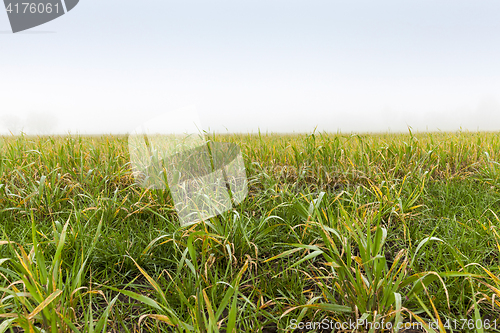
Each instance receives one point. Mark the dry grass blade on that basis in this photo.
(42, 305)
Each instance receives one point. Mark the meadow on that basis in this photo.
(336, 228)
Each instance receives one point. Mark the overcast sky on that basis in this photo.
(277, 65)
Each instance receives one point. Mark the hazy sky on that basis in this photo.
(284, 65)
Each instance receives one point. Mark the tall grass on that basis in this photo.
(397, 228)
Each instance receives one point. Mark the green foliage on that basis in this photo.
(393, 227)
(45, 295)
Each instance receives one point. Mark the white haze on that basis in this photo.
(277, 66)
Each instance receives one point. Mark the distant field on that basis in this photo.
(386, 228)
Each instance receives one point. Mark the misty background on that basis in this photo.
(274, 65)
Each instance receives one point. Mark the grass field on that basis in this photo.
(385, 228)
